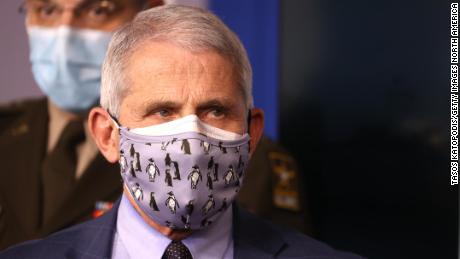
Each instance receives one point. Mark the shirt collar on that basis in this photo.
(142, 241)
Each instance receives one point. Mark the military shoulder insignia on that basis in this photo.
(20, 129)
(286, 181)
(101, 207)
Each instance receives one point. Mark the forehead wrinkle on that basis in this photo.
(184, 76)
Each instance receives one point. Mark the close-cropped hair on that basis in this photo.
(190, 28)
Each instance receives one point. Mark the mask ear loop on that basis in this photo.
(249, 126)
(114, 119)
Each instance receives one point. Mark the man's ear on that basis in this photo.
(104, 133)
(154, 3)
(256, 128)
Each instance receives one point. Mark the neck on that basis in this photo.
(173, 234)
(66, 114)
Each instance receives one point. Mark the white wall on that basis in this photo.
(16, 80)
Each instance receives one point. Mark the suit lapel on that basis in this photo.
(100, 182)
(253, 237)
(23, 148)
(95, 240)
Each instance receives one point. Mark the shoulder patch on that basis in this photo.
(20, 129)
(286, 181)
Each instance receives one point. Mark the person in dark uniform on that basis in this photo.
(58, 191)
(52, 173)
(269, 196)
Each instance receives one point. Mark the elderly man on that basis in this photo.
(176, 97)
(54, 175)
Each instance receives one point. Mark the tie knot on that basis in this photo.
(177, 250)
(72, 134)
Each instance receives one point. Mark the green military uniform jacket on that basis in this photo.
(23, 143)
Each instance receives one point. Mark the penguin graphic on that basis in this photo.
(153, 203)
(137, 164)
(209, 205)
(229, 175)
(176, 170)
(206, 146)
(184, 220)
(132, 151)
(205, 222)
(168, 160)
(168, 179)
(223, 149)
(240, 167)
(209, 180)
(240, 162)
(216, 170)
(210, 164)
(170, 225)
(172, 203)
(189, 210)
(123, 162)
(137, 192)
(131, 169)
(237, 149)
(189, 207)
(152, 170)
(194, 176)
(237, 182)
(185, 147)
(224, 205)
(164, 145)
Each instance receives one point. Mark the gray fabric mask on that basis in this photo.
(183, 180)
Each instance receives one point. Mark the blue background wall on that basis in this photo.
(364, 107)
(256, 23)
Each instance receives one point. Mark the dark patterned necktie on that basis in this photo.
(58, 170)
(177, 250)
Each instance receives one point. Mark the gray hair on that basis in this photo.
(193, 29)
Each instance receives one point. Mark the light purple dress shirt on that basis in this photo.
(135, 239)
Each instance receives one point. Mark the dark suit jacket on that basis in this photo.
(253, 238)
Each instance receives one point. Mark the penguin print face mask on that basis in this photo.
(183, 174)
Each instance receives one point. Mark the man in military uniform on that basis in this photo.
(276, 191)
(52, 174)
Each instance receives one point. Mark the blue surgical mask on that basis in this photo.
(66, 64)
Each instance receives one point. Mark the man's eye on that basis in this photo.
(102, 10)
(217, 113)
(46, 11)
(164, 113)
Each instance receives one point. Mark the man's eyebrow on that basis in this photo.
(221, 103)
(37, 1)
(156, 105)
(85, 3)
